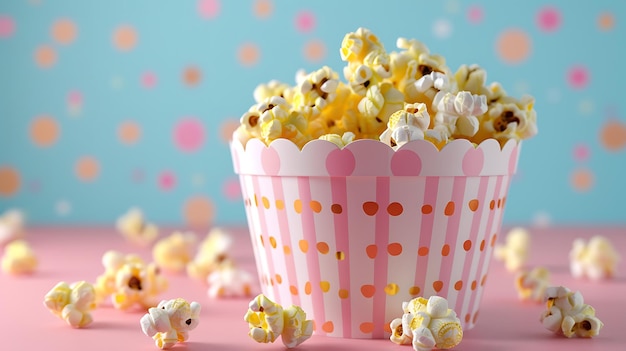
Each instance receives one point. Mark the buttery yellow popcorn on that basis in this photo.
(112, 261)
(267, 320)
(514, 252)
(72, 303)
(596, 259)
(135, 229)
(568, 315)
(315, 91)
(406, 125)
(19, 258)
(427, 324)
(11, 226)
(170, 322)
(339, 140)
(532, 285)
(273, 88)
(175, 251)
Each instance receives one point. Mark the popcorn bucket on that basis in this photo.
(349, 234)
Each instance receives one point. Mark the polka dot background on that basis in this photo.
(90, 104)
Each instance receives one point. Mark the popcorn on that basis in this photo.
(73, 303)
(170, 322)
(597, 259)
(427, 324)
(514, 252)
(532, 285)
(461, 105)
(229, 281)
(212, 253)
(11, 226)
(134, 228)
(339, 140)
(568, 315)
(267, 320)
(174, 252)
(129, 281)
(19, 258)
(406, 125)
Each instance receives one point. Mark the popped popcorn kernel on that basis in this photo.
(19, 258)
(566, 314)
(514, 252)
(72, 303)
(406, 125)
(427, 324)
(133, 226)
(212, 253)
(267, 320)
(175, 251)
(339, 140)
(230, 281)
(170, 322)
(11, 225)
(596, 259)
(532, 285)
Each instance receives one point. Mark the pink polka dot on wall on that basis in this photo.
(475, 14)
(513, 46)
(189, 134)
(167, 180)
(232, 189)
(578, 77)
(149, 79)
(548, 19)
(581, 152)
(7, 26)
(305, 21)
(209, 9)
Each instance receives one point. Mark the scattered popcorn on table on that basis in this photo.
(135, 229)
(212, 253)
(73, 303)
(427, 324)
(596, 259)
(568, 315)
(129, 281)
(514, 252)
(19, 258)
(11, 226)
(267, 320)
(460, 105)
(174, 252)
(230, 281)
(170, 322)
(532, 285)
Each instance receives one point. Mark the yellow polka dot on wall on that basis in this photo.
(199, 211)
(44, 131)
(9, 181)
(125, 38)
(513, 46)
(64, 31)
(87, 168)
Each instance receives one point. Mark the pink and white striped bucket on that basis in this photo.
(349, 234)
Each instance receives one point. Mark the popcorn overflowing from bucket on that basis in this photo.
(458, 105)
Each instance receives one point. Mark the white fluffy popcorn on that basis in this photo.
(532, 285)
(427, 324)
(136, 229)
(212, 253)
(596, 259)
(72, 303)
(19, 258)
(514, 252)
(568, 315)
(11, 225)
(170, 322)
(230, 281)
(267, 320)
(405, 125)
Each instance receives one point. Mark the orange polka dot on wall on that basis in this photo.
(9, 181)
(513, 46)
(199, 211)
(45, 56)
(227, 128)
(44, 131)
(129, 132)
(263, 8)
(87, 168)
(125, 38)
(64, 31)
(248, 54)
(192, 76)
(315, 50)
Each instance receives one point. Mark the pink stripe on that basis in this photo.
(426, 231)
(285, 237)
(476, 219)
(308, 232)
(487, 236)
(380, 262)
(265, 234)
(339, 196)
(452, 230)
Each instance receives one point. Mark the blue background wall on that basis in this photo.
(106, 105)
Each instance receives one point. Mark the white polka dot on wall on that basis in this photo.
(198, 180)
(63, 208)
(541, 219)
(442, 29)
(585, 107)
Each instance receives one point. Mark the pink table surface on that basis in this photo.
(505, 323)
